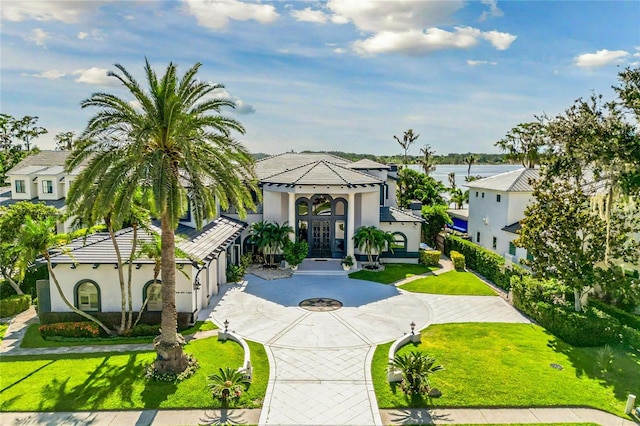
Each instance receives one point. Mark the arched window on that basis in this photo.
(399, 242)
(87, 295)
(321, 205)
(153, 290)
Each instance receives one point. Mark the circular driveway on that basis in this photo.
(268, 312)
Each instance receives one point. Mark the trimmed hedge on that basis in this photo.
(485, 262)
(430, 257)
(458, 260)
(144, 330)
(14, 305)
(624, 317)
(70, 329)
(112, 319)
(591, 327)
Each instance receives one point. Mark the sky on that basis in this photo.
(340, 75)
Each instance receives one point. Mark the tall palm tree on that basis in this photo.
(469, 160)
(427, 160)
(171, 141)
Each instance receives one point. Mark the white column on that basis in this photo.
(292, 215)
(351, 214)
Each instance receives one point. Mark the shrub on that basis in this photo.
(458, 260)
(485, 262)
(13, 305)
(144, 330)
(631, 337)
(70, 329)
(236, 272)
(228, 384)
(430, 257)
(624, 317)
(295, 253)
(112, 319)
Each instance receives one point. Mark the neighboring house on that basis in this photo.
(326, 198)
(40, 178)
(88, 272)
(496, 207)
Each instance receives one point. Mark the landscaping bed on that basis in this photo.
(110, 381)
(452, 282)
(509, 365)
(33, 338)
(392, 272)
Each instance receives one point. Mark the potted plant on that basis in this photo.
(295, 253)
(347, 263)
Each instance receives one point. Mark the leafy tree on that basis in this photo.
(26, 129)
(436, 217)
(36, 238)
(64, 141)
(11, 223)
(524, 143)
(371, 239)
(407, 140)
(416, 368)
(178, 148)
(414, 185)
(427, 160)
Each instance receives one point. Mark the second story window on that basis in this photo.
(47, 187)
(494, 243)
(20, 187)
(498, 198)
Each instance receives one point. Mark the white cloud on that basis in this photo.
(338, 19)
(473, 63)
(398, 15)
(39, 36)
(215, 14)
(494, 10)
(339, 50)
(500, 41)
(600, 58)
(65, 11)
(241, 108)
(49, 75)
(310, 15)
(96, 76)
(94, 34)
(417, 42)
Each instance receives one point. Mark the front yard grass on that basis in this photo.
(33, 339)
(508, 365)
(392, 272)
(452, 282)
(114, 381)
(3, 330)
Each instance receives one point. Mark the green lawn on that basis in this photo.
(110, 381)
(3, 330)
(33, 339)
(392, 272)
(453, 282)
(508, 365)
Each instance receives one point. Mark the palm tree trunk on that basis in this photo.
(123, 302)
(66, 301)
(170, 356)
(134, 244)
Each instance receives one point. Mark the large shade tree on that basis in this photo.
(171, 141)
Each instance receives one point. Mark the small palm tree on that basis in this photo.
(270, 237)
(228, 384)
(35, 240)
(469, 160)
(427, 161)
(416, 368)
(371, 239)
(459, 198)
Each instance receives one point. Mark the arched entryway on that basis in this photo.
(322, 222)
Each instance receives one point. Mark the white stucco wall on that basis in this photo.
(273, 206)
(30, 187)
(411, 231)
(368, 209)
(58, 187)
(106, 276)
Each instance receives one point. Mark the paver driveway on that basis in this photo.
(320, 361)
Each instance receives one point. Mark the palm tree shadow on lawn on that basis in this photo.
(101, 383)
(623, 377)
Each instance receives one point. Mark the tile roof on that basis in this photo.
(459, 213)
(366, 164)
(47, 158)
(201, 245)
(289, 160)
(514, 181)
(514, 228)
(26, 170)
(392, 214)
(321, 172)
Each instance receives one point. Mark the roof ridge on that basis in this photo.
(289, 170)
(357, 171)
(271, 156)
(329, 164)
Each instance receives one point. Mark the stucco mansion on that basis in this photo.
(324, 198)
